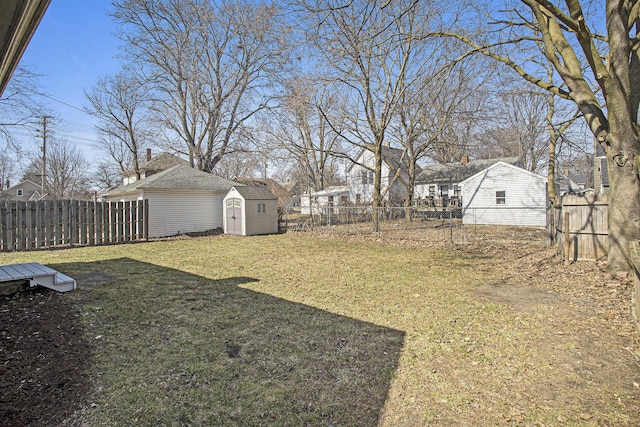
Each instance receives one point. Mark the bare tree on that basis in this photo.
(210, 64)
(432, 113)
(600, 66)
(106, 175)
(20, 104)
(373, 52)
(239, 164)
(66, 171)
(459, 133)
(121, 103)
(302, 131)
(7, 170)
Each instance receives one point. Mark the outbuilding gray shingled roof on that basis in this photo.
(179, 177)
(252, 192)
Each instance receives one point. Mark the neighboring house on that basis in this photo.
(250, 211)
(569, 183)
(504, 194)
(439, 185)
(152, 166)
(580, 181)
(319, 201)
(285, 199)
(360, 175)
(23, 191)
(600, 170)
(181, 200)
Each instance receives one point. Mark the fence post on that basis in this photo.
(550, 224)
(451, 226)
(10, 242)
(567, 239)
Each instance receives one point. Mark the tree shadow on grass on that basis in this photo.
(173, 348)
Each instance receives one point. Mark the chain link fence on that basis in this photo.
(439, 228)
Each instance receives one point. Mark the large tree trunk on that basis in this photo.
(377, 186)
(624, 196)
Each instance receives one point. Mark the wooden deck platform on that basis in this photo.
(37, 275)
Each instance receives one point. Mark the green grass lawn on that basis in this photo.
(288, 330)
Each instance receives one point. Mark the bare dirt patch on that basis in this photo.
(43, 359)
(517, 296)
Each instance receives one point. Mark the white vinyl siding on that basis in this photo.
(358, 185)
(321, 200)
(504, 194)
(173, 212)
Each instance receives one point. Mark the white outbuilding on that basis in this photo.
(505, 194)
(250, 210)
(181, 200)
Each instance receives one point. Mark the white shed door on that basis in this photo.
(234, 216)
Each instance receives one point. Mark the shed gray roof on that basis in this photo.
(457, 171)
(253, 192)
(179, 177)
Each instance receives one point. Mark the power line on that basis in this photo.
(67, 104)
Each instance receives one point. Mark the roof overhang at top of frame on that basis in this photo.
(18, 21)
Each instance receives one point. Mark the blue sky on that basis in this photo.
(73, 46)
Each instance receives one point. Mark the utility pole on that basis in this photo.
(44, 155)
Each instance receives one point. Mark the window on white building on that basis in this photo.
(367, 177)
(501, 197)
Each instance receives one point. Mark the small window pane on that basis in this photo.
(501, 197)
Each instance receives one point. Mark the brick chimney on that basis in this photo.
(148, 154)
(464, 160)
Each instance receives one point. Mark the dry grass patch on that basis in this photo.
(291, 330)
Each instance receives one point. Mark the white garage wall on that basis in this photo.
(174, 212)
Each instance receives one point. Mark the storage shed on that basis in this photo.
(504, 194)
(250, 210)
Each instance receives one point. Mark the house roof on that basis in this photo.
(31, 191)
(161, 162)
(330, 191)
(508, 165)
(278, 190)
(27, 182)
(179, 177)
(393, 157)
(458, 171)
(18, 22)
(578, 178)
(255, 193)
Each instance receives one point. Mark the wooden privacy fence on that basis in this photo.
(53, 223)
(585, 217)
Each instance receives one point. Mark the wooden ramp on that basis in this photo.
(37, 275)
